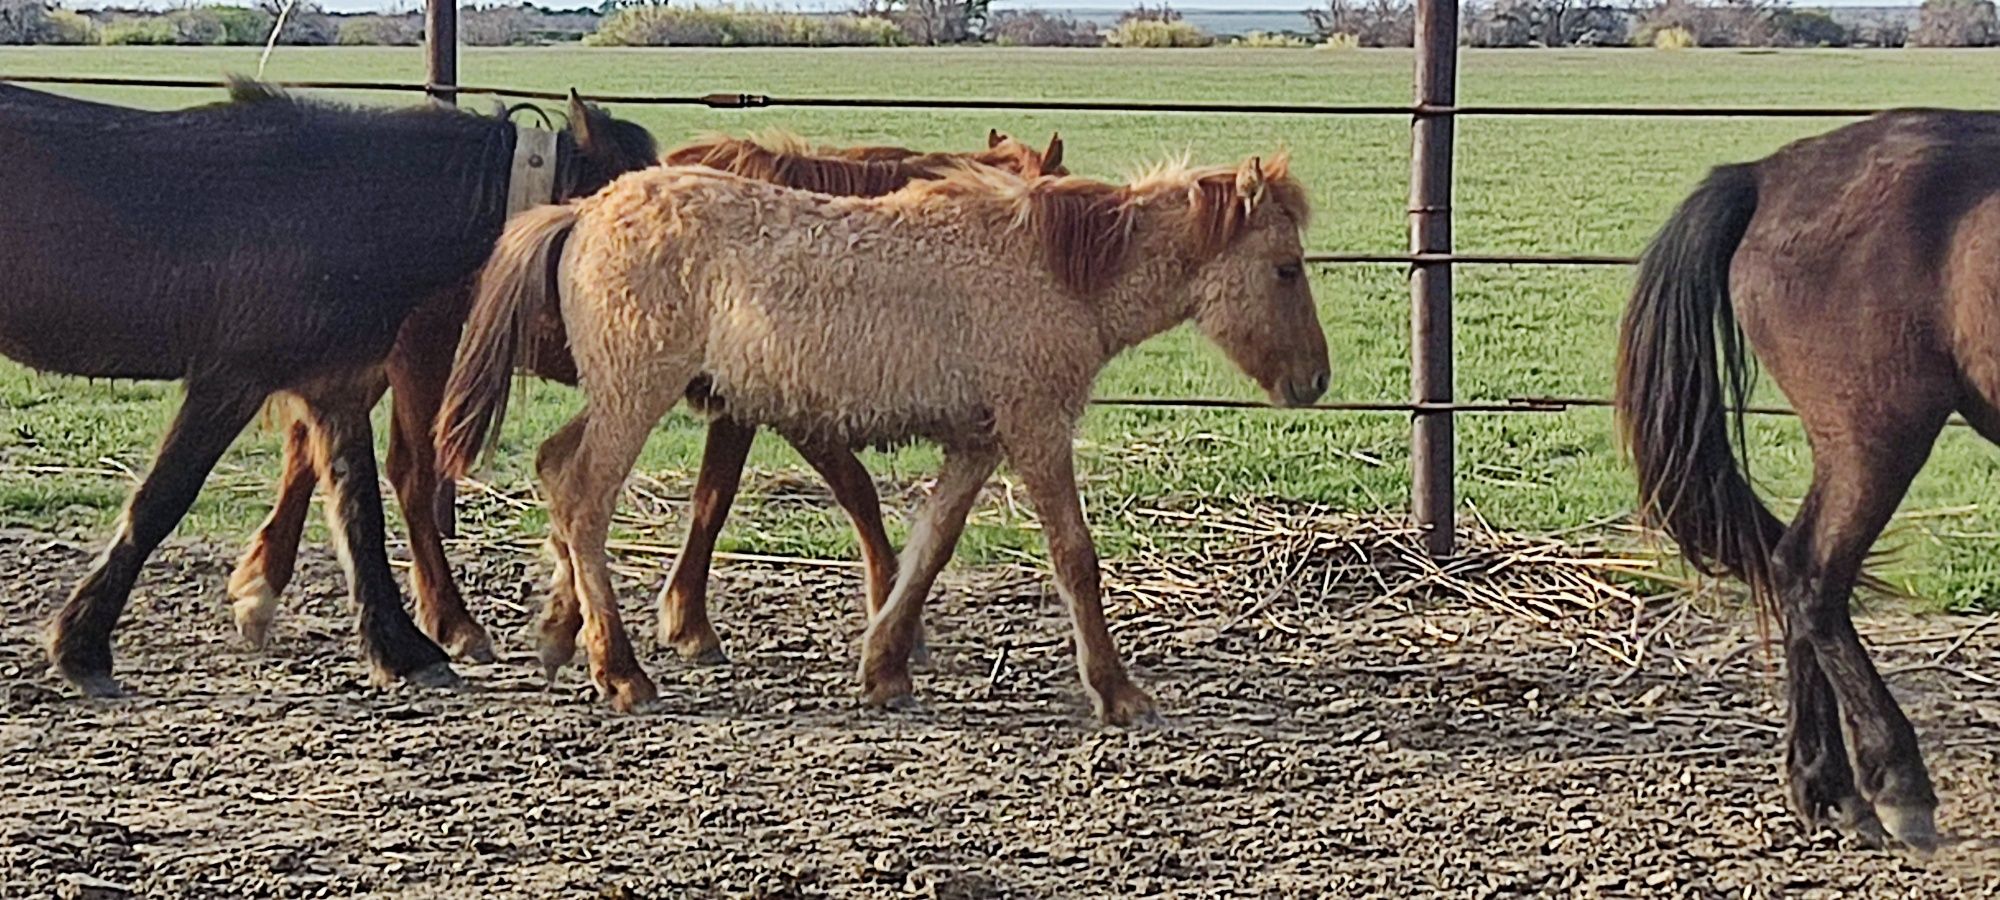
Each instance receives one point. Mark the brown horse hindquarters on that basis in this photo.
(1865, 284)
(253, 247)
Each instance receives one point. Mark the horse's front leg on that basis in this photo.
(684, 623)
(214, 412)
(393, 645)
(1041, 455)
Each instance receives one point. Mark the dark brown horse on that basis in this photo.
(422, 359)
(248, 249)
(1862, 268)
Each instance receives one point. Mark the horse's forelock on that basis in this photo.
(1219, 213)
(1016, 157)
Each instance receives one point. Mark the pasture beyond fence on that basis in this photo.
(1430, 259)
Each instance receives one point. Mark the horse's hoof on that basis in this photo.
(893, 694)
(553, 655)
(1855, 819)
(712, 656)
(435, 675)
(97, 685)
(254, 605)
(703, 648)
(1130, 707)
(634, 695)
(1914, 825)
(1868, 830)
(475, 647)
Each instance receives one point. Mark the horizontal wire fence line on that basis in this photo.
(727, 100)
(1510, 405)
(1486, 259)
(1523, 404)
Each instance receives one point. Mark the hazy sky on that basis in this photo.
(372, 5)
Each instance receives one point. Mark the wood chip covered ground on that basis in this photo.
(1345, 718)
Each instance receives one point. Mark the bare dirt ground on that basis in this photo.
(1346, 737)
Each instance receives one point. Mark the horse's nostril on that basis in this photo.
(1319, 382)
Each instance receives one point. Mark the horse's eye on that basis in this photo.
(1290, 271)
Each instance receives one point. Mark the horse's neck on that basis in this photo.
(1150, 294)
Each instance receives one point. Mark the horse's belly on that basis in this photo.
(856, 406)
(88, 338)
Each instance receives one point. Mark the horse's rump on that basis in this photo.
(135, 243)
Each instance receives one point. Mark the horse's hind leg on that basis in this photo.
(854, 490)
(1818, 779)
(211, 416)
(394, 647)
(417, 373)
(684, 623)
(893, 632)
(562, 617)
(266, 566)
(1861, 471)
(615, 422)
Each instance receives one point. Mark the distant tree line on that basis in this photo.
(1334, 24)
(39, 22)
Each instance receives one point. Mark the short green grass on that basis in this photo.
(1594, 185)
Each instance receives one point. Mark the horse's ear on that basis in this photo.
(993, 138)
(1250, 183)
(579, 119)
(1052, 157)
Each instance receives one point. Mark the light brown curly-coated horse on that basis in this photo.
(421, 361)
(974, 311)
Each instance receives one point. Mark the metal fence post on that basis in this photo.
(441, 76)
(441, 49)
(1432, 499)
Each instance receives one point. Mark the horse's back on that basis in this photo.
(840, 317)
(1874, 257)
(135, 243)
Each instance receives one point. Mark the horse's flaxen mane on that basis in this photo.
(1084, 227)
(1220, 201)
(782, 158)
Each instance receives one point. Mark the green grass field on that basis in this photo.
(1524, 185)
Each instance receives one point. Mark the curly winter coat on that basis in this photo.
(974, 311)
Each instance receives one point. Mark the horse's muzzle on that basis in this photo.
(1302, 391)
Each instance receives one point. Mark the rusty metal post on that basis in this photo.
(1432, 499)
(441, 49)
(441, 74)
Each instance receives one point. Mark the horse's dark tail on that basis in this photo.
(1682, 367)
(518, 279)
